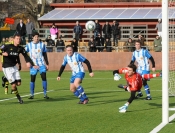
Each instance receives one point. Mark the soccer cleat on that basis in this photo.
(139, 95)
(122, 86)
(31, 97)
(46, 97)
(123, 109)
(81, 102)
(20, 101)
(86, 101)
(148, 98)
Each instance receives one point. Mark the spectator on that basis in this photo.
(97, 28)
(129, 46)
(108, 45)
(6, 39)
(74, 44)
(91, 45)
(21, 30)
(50, 44)
(60, 45)
(142, 41)
(53, 32)
(107, 30)
(77, 31)
(10, 40)
(29, 28)
(100, 43)
(157, 44)
(159, 27)
(115, 29)
(3, 41)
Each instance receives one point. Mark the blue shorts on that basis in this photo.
(78, 75)
(41, 69)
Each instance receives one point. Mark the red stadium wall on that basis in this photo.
(99, 61)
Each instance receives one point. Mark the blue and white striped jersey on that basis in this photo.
(36, 52)
(142, 58)
(75, 62)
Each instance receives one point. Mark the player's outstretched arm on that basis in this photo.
(60, 72)
(89, 67)
(26, 57)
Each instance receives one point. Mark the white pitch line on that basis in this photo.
(23, 96)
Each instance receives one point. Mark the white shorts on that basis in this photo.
(53, 37)
(160, 34)
(11, 73)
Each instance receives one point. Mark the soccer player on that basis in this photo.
(134, 84)
(75, 62)
(142, 57)
(10, 54)
(37, 52)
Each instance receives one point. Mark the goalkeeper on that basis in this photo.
(134, 84)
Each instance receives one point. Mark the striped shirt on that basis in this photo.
(142, 58)
(36, 52)
(75, 62)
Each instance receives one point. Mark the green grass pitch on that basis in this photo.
(62, 114)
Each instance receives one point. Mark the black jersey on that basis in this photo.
(13, 55)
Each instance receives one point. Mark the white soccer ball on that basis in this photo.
(117, 77)
(90, 25)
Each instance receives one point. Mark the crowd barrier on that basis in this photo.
(98, 60)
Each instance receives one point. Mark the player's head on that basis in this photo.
(138, 45)
(35, 36)
(17, 39)
(131, 69)
(69, 50)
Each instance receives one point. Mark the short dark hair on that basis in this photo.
(18, 35)
(69, 46)
(134, 68)
(35, 33)
(137, 42)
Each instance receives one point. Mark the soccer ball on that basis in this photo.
(117, 77)
(90, 25)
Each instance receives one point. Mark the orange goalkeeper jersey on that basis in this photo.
(134, 82)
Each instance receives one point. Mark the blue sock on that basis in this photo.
(81, 91)
(44, 87)
(147, 90)
(32, 87)
(77, 94)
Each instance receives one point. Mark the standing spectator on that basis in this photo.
(129, 45)
(29, 28)
(115, 29)
(107, 30)
(50, 44)
(74, 45)
(97, 28)
(3, 41)
(60, 45)
(100, 43)
(108, 45)
(77, 31)
(21, 30)
(159, 27)
(142, 41)
(157, 44)
(53, 32)
(91, 45)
